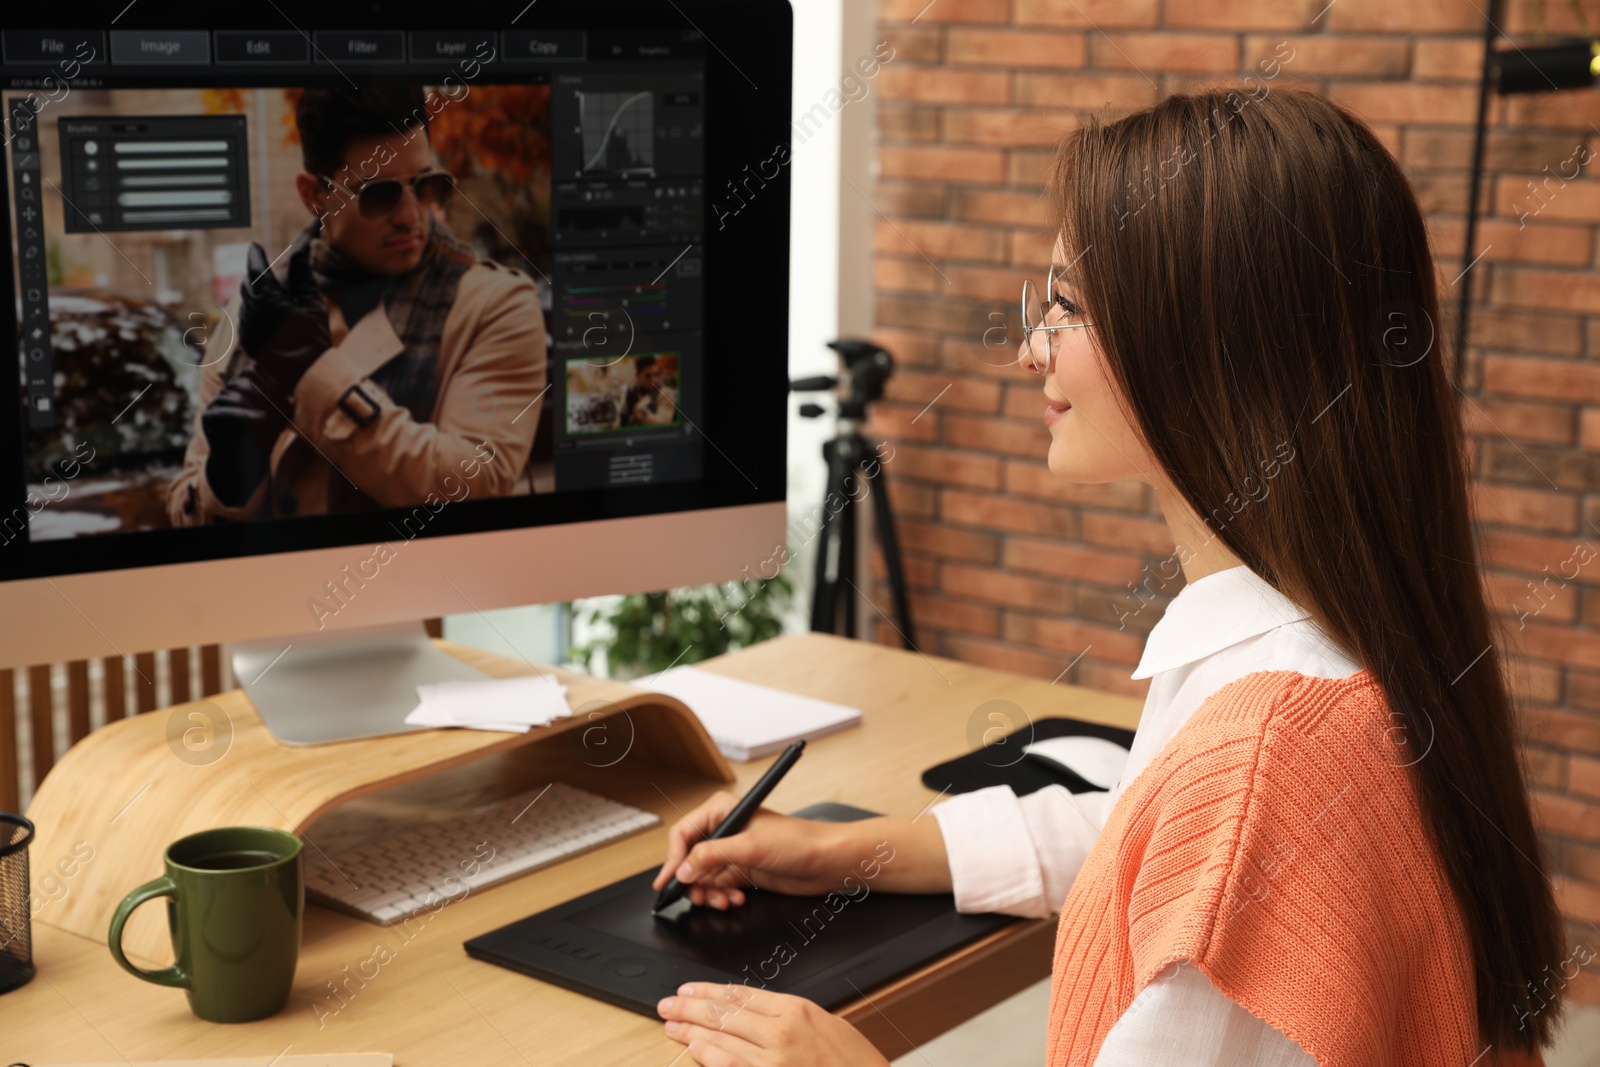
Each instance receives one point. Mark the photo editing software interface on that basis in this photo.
(201, 218)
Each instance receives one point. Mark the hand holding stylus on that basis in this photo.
(718, 848)
(801, 857)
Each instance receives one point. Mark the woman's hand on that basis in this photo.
(737, 1026)
(773, 851)
(804, 857)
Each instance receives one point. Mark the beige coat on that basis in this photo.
(492, 368)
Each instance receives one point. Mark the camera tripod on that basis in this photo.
(853, 464)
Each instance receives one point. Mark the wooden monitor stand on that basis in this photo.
(125, 792)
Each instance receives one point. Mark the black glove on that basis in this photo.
(283, 329)
(241, 425)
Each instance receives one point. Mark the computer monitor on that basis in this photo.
(333, 318)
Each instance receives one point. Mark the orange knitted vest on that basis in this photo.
(1277, 845)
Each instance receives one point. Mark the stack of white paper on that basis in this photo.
(748, 721)
(513, 705)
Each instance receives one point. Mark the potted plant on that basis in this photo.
(650, 632)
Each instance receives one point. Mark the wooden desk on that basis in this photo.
(430, 1004)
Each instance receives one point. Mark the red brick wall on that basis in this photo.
(1012, 568)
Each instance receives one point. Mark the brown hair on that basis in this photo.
(1258, 273)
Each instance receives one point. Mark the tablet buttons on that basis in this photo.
(629, 968)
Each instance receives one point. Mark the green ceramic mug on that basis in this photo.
(235, 898)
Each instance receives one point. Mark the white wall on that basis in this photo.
(830, 260)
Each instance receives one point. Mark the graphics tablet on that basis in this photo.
(830, 949)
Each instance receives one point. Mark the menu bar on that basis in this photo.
(191, 48)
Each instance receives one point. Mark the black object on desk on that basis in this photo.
(674, 889)
(1003, 762)
(830, 949)
(16, 911)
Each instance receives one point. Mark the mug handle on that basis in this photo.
(159, 887)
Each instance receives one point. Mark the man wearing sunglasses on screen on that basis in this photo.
(379, 361)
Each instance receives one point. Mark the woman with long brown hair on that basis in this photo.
(1321, 850)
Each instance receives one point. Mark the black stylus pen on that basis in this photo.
(736, 819)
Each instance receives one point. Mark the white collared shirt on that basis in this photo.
(1020, 855)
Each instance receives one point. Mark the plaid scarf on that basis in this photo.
(417, 304)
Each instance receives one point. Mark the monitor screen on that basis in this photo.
(282, 287)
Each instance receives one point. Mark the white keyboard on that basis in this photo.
(425, 865)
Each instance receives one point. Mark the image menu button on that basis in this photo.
(160, 46)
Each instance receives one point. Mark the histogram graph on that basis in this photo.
(618, 134)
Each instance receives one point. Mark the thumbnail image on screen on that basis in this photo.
(622, 394)
(247, 304)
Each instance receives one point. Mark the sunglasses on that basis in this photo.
(379, 199)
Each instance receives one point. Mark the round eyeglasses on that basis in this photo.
(1035, 310)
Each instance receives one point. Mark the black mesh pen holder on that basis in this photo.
(16, 919)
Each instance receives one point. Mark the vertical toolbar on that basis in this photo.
(33, 274)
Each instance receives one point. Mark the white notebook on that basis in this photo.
(748, 721)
